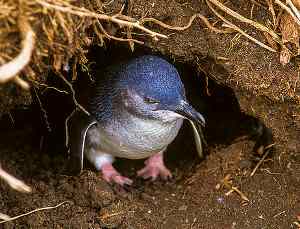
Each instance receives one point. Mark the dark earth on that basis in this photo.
(246, 97)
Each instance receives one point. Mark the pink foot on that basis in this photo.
(155, 167)
(111, 175)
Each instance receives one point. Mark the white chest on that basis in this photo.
(135, 138)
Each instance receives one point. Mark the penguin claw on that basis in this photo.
(111, 175)
(155, 168)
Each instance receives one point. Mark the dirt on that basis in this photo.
(194, 198)
(247, 80)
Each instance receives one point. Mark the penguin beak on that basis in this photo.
(187, 111)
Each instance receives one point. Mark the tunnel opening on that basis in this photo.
(45, 119)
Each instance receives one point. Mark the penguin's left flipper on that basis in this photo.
(199, 138)
(77, 125)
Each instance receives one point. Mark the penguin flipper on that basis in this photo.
(77, 125)
(199, 138)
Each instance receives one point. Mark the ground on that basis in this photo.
(242, 76)
(195, 198)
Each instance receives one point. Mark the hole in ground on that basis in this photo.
(217, 103)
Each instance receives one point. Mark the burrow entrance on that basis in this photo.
(45, 118)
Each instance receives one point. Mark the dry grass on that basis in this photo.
(38, 34)
(59, 36)
(273, 36)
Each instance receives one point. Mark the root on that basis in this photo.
(82, 12)
(267, 151)
(227, 182)
(33, 211)
(180, 28)
(14, 182)
(113, 37)
(246, 20)
(232, 26)
(272, 11)
(78, 105)
(10, 70)
(123, 20)
(290, 9)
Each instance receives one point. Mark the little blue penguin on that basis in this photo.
(136, 111)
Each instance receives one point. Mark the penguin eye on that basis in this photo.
(150, 100)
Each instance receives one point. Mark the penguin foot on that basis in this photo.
(111, 175)
(155, 168)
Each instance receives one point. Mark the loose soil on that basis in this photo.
(194, 198)
(255, 84)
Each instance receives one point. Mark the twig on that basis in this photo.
(278, 214)
(180, 28)
(235, 189)
(73, 94)
(267, 148)
(14, 182)
(82, 12)
(108, 3)
(227, 182)
(246, 20)
(64, 26)
(258, 4)
(22, 83)
(271, 9)
(4, 216)
(294, 9)
(107, 215)
(129, 30)
(33, 211)
(49, 87)
(251, 12)
(116, 38)
(45, 116)
(109, 36)
(67, 129)
(232, 26)
(9, 70)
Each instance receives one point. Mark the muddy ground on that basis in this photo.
(246, 82)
